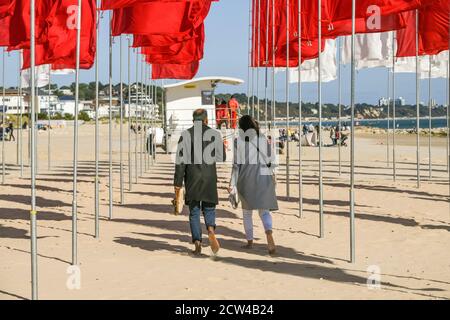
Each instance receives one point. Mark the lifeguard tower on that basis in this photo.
(183, 98)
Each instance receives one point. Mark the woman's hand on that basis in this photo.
(230, 189)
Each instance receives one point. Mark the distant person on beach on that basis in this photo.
(199, 149)
(11, 132)
(333, 136)
(222, 115)
(254, 179)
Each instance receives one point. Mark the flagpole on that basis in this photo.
(164, 103)
(75, 142)
(300, 158)
(388, 115)
(136, 121)
(340, 105)
(319, 92)
(250, 51)
(417, 101)
(18, 120)
(97, 130)
(49, 151)
(20, 135)
(258, 65)
(352, 143)
(394, 116)
(33, 212)
(3, 117)
(253, 57)
(110, 121)
(266, 61)
(141, 119)
(430, 169)
(273, 66)
(121, 123)
(147, 127)
(287, 101)
(130, 169)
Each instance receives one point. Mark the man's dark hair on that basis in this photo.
(200, 115)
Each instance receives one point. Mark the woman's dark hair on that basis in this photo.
(247, 122)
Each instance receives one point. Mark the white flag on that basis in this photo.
(372, 50)
(41, 76)
(62, 72)
(310, 67)
(439, 65)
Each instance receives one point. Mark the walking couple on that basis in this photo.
(199, 149)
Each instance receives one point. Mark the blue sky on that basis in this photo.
(226, 54)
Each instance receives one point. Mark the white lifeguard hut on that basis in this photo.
(183, 98)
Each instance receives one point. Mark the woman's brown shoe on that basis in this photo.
(270, 243)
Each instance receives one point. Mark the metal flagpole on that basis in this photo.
(388, 156)
(75, 142)
(19, 126)
(121, 123)
(266, 62)
(430, 169)
(130, 171)
(273, 66)
(20, 135)
(164, 103)
(340, 105)
(147, 127)
(287, 101)
(49, 151)
(250, 47)
(97, 130)
(33, 213)
(352, 142)
(253, 56)
(258, 64)
(151, 115)
(141, 119)
(319, 93)
(300, 158)
(110, 121)
(394, 116)
(136, 121)
(417, 100)
(3, 117)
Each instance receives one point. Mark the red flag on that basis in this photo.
(174, 18)
(7, 7)
(175, 71)
(59, 49)
(177, 53)
(433, 31)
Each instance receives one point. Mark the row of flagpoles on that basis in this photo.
(60, 35)
(170, 35)
(299, 37)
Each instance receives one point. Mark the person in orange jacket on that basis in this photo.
(222, 115)
(233, 106)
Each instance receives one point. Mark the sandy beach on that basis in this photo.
(143, 252)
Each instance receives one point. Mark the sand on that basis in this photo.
(143, 252)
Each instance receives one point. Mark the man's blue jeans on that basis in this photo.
(209, 213)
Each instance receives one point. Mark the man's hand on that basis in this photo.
(176, 189)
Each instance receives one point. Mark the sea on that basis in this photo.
(436, 123)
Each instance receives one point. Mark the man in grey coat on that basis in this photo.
(199, 149)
